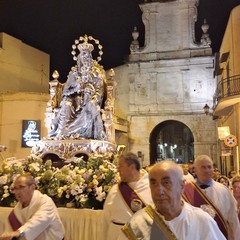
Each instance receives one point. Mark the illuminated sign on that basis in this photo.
(223, 132)
(30, 132)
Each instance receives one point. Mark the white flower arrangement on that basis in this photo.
(78, 184)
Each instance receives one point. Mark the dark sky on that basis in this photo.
(53, 25)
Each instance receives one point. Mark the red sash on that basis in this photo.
(129, 194)
(14, 221)
(195, 196)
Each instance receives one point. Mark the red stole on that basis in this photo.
(14, 221)
(129, 195)
(195, 196)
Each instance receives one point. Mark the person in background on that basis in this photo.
(236, 191)
(213, 198)
(191, 168)
(231, 174)
(186, 175)
(35, 217)
(171, 217)
(224, 180)
(127, 197)
(216, 174)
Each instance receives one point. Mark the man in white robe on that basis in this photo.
(192, 223)
(171, 218)
(186, 175)
(218, 194)
(35, 217)
(116, 210)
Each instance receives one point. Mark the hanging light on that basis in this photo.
(206, 109)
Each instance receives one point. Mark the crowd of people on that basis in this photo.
(188, 201)
(164, 202)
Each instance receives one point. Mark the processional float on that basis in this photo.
(79, 114)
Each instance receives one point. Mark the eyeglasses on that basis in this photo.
(21, 187)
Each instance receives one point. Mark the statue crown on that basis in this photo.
(86, 46)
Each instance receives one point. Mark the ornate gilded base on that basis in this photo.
(69, 148)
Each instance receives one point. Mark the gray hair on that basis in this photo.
(131, 158)
(235, 179)
(201, 158)
(29, 180)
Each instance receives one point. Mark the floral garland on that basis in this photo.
(78, 184)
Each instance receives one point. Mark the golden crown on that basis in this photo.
(82, 44)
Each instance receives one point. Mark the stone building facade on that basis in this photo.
(168, 80)
(24, 81)
(23, 68)
(164, 85)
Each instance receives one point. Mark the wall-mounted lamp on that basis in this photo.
(206, 109)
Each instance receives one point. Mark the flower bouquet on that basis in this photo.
(79, 184)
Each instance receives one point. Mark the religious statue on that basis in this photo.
(79, 115)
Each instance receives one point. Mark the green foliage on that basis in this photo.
(83, 184)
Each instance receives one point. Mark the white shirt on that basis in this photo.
(40, 219)
(192, 224)
(188, 178)
(116, 209)
(223, 199)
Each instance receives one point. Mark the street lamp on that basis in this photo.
(206, 109)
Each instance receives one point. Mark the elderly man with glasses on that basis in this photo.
(35, 216)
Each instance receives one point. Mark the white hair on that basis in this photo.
(200, 158)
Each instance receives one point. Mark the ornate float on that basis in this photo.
(79, 114)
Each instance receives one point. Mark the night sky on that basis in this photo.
(53, 25)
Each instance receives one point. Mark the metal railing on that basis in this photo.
(227, 87)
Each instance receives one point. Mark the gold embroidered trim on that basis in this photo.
(135, 193)
(127, 230)
(210, 202)
(160, 223)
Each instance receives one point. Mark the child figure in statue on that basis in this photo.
(79, 115)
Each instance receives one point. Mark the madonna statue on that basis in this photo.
(79, 115)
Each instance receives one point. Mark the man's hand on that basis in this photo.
(9, 235)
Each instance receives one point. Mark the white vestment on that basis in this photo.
(192, 224)
(40, 219)
(116, 210)
(223, 199)
(188, 177)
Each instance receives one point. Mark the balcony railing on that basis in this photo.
(226, 88)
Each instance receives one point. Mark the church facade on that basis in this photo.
(163, 88)
(160, 92)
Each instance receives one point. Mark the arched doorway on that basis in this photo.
(171, 140)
